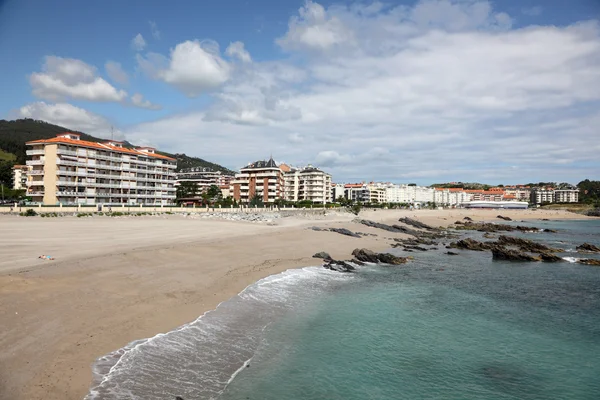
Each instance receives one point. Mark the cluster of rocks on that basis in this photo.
(504, 218)
(341, 231)
(469, 225)
(588, 248)
(239, 216)
(361, 256)
(510, 248)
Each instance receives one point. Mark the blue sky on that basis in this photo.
(419, 91)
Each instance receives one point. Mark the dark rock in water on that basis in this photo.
(526, 245)
(178, 398)
(433, 248)
(500, 253)
(545, 219)
(548, 257)
(488, 236)
(489, 227)
(322, 255)
(355, 261)
(588, 248)
(470, 244)
(367, 255)
(339, 266)
(504, 218)
(416, 248)
(451, 253)
(408, 250)
(589, 261)
(416, 224)
(344, 231)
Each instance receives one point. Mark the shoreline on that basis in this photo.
(159, 273)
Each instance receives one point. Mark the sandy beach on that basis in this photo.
(115, 280)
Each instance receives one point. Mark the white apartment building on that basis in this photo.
(566, 195)
(308, 183)
(68, 170)
(374, 193)
(337, 191)
(451, 197)
(355, 192)
(542, 195)
(261, 178)
(408, 194)
(204, 178)
(20, 176)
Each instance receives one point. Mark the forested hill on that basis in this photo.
(14, 135)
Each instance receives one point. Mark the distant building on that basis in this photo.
(566, 196)
(68, 170)
(20, 176)
(374, 193)
(261, 178)
(204, 178)
(355, 192)
(337, 191)
(542, 195)
(308, 183)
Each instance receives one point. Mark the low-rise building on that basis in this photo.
(68, 170)
(20, 176)
(261, 179)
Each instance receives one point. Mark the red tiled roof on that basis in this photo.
(95, 145)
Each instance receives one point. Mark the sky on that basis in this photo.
(427, 91)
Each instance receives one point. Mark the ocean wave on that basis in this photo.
(570, 259)
(199, 359)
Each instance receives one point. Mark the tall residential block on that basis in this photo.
(308, 183)
(68, 170)
(261, 179)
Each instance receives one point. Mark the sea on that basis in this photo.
(440, 327)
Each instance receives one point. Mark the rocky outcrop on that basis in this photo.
(489, 227)
(468, 219)
(344, 231)
(366, 255)
(588, 248)
(470, 244)
(451, 253)
(501, 253)
(338, 266)
(526, 245)
(589, 261)
(593, 213)
(488, 236)
(504, 218)
(549, 257)
(417, 224)
(322, 255)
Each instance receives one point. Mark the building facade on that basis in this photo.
(68, 170)
(203, 178)
(20, 176)
(308, 183)
(262, 179)
(566, 196)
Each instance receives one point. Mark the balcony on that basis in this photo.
(35, 193)
(68, 194)
(38, 152)
(66, 152)
(35, 162)
(36, 172)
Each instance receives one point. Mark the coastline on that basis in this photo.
(119, 280)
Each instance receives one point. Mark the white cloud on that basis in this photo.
(314, 29)
(139, 101)
(237, 50)
(64, 78)
(116, 73)
(194, 67)
(154, 30)
(138, 43)
(69, 116)
(443, 90)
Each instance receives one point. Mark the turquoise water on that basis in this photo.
(441, 327)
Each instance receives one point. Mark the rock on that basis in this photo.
(549, 257)
(526, 245)
(488, 236)
(593, 213)
(468, 219)
(469, 244)
(322, 255)
(500, 253)
(504, 218)
(458, 223)
(451, 253)
(416, 224)
(178, 398)
(378, 225)
(316, 228)
(339, 266)
(588, 248)
(355, 261)
(589, 261)
(344, 231)
(367, 255)
(416, 248)
(489, 227)
(545, 219)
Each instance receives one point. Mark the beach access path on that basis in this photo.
(115, 280)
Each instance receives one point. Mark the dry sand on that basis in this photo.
(116, 280)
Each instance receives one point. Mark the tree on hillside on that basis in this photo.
(589, 191)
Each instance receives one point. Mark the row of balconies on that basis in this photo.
(113, 176)
(87, 194)
(112, 185)
(99, 166)
(100, 156)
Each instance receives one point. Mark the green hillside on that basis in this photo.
(14, 135)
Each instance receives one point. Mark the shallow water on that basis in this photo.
(443, 327)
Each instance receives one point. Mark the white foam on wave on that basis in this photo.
(570, 259)
(228, 326)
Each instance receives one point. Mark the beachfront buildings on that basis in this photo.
(202, 179)
(552, 195)
(68, 170)
(262, 180)
(20, 176)
(308, 183)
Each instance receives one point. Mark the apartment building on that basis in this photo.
(450, 196)
(204, 178)
(20, 176)
(68, 170)
(374, 193)
(566, 196)
(261, 178)
(355, 192)
(308, 183)
(542, 195)
(337, 191)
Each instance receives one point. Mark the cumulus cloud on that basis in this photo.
(116, 73)
(138, 43)
(442, 90)
(154, 30)
(64, 78)
(237, 50)
(69, 116)
(139, 101)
